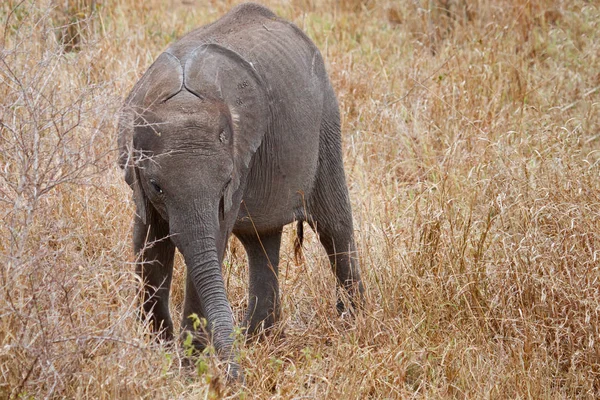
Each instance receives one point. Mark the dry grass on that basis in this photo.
(471, 135)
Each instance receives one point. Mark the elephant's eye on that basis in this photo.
(155, 186)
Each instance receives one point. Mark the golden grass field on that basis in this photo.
(471, 135)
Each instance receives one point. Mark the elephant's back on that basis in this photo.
(248, 29)
(271, 44)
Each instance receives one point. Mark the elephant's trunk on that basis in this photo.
(200, 245)
(205, 272)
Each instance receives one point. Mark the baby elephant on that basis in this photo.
(234, 128)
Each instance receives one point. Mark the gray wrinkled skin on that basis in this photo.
(234, 128)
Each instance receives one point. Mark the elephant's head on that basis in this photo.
(187, 135)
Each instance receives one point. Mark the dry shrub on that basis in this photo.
(470, 136)
(67, 306)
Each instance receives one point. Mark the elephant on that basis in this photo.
(235, 128)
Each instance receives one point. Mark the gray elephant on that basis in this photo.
(234, 128)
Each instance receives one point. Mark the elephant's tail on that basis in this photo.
(298, 255)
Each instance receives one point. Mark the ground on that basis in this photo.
(471, 135)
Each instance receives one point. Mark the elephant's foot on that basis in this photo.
(258, 324)
(350, 299)
(164, 328)
(161, 324)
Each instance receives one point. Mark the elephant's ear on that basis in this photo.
(139, 198)
(215, 71)
(161, 81)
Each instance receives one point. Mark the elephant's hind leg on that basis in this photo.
(154, 265)
(334, 226)
(263, 294)
(330, 216)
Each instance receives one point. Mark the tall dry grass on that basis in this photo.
(471, 136)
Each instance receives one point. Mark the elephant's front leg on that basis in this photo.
(154, 265)
(263, 294)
